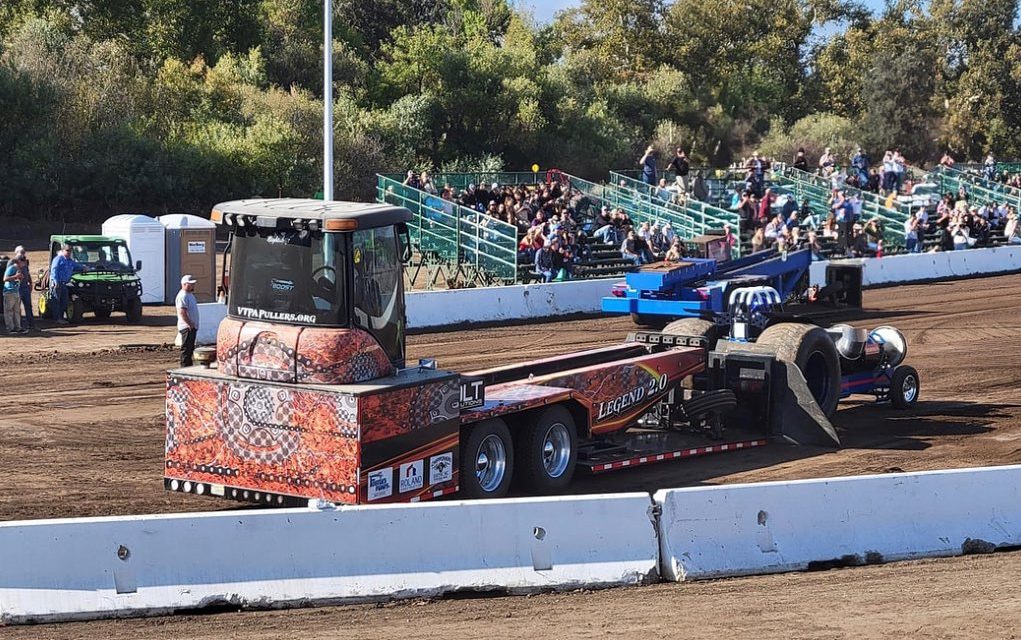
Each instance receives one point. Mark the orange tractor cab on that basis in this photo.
(310, 397)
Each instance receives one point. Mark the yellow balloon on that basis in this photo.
(535, 168)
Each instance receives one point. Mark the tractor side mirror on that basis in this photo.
(138, 265)
(405, 238)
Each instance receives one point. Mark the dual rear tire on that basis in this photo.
(540, 457)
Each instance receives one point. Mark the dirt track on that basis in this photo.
(83, 435)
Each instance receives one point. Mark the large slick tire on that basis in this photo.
(648, 321)
(694, 327)
(134, 310)
(812, 350)
(904, 387)
(547, 451)
(487, 460)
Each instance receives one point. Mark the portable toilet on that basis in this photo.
(144, 236)
(191, 249)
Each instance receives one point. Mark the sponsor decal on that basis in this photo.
(411, 476)
(278, 238)
(282, 285)
(618, 405)
(262, 314)
(381, 483)
(473, 393)
(441, 468)
(197, 246)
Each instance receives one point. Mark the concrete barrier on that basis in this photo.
(921, 267)
(145, 565)
(516, 302)
(772, 527)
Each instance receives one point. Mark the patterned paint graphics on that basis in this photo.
(279, 353)
(296, 442)
(390, 414)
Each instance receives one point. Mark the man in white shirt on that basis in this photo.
(187, 318)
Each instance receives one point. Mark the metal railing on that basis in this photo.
(704, 217)
(479, 248)
(461, 181)
(818, 191)
(978, 188)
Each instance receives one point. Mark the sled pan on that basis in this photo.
(792, 413)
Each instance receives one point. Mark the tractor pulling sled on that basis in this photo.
(308, 396)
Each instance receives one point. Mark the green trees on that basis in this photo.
(168, 105)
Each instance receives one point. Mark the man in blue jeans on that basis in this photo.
(61, 270)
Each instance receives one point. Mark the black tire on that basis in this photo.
(75, 310)
(102, 312)
(134, 310)
(905, 385)
(547, 451)
(647, 321)
(696, 328)
(472, 442)
(812, 350)
(721, 401)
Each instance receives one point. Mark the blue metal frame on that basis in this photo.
(695, 287)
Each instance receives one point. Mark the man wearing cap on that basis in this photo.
(187, 318)
(62, 269)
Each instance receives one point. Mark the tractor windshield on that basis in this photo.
(103, 256)
(288, 276)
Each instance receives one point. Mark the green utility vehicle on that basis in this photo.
(109, 283)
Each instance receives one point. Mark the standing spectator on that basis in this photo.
(663, 192)
(800, 161)
(648, 165)
(756, 168)
(860, 164)
(899, 168)
(826, 163)
(12, 297)
(61, 270)
(889, 172)
(947, 160)
(412, 180)
(427, 185)
(187, 318)
(1012, 231)
(989, 168)
(25, 290)
(758, 240)
(681, 167)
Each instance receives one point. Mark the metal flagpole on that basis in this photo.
(328, 100)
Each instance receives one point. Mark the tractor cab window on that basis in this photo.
(378, 292)
(290, 276)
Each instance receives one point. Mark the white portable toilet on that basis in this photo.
(191, 249)
(144, 236)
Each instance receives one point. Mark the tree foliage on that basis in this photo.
(167, 105)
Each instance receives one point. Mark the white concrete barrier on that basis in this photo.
(736, 530)
(920, 267)
(146, 565)
(516, 302)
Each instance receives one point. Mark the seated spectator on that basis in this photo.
(658, 244)
(663, 193)
(668, 232)
(729, 237)
(775, 228)
(826, 163)
(831, 228)
(676, 252)
(635, 249)
(544, 263)
(873, 232)
(960, 237)
(758, 240)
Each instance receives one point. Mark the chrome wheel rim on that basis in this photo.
(490, 463)
(556, 450)
(909, 389)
